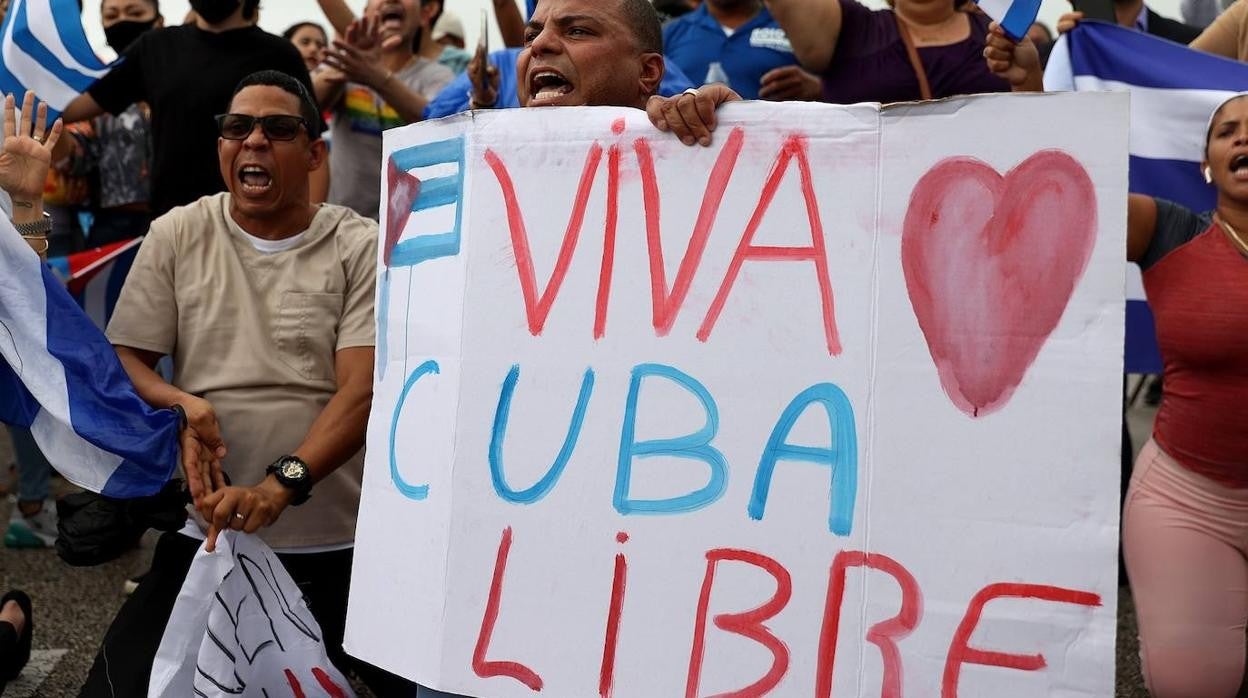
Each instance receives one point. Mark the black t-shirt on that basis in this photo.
(188, 75)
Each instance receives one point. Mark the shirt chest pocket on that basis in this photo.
(305, 332)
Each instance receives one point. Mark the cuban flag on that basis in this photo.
(95, 277)
(1173, 90)
(1014, 16)
(61, 379)
(44, 48)
(425, 190)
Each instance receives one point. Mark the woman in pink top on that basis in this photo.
(1185, 521)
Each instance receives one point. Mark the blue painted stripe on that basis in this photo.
(1098, 49)
(429, 154)
(438, 191)
(409, 253)
(1019, 18)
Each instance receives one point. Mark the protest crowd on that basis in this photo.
(251, 166)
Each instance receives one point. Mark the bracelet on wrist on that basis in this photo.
(39, 250)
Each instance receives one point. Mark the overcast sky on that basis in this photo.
(276, 15)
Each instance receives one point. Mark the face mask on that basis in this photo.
(122, 34)
(214, 11)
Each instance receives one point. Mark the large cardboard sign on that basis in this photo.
(830, 407)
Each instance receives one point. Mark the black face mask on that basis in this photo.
(122, 34)
(214, 11)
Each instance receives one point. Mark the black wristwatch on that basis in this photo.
(293, 474)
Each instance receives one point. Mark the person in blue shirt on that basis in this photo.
(738, 43)
(455, 97)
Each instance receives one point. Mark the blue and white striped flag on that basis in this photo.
(44, 48)
(61, 379)
(1014, 16)
(1173, 90)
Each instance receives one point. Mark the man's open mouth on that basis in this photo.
(255, 179)
(549, 84)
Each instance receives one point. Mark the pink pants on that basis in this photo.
(1185, 538)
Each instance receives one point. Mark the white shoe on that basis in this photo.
(34, 531)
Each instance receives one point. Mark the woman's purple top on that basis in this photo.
(870, 63)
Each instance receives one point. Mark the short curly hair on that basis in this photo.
(275, 78)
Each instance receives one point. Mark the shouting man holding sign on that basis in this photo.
(596, 53)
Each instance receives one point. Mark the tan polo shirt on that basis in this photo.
(255, 335)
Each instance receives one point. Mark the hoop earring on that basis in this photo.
(1208, 176)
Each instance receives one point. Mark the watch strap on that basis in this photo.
(302, 489)
(41, 227)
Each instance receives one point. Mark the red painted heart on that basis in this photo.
(990, 264)
(404, 187)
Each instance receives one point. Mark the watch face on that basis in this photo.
(293, 470)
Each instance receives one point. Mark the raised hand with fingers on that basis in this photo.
(690, 115)
(26, 156)
(358, 54)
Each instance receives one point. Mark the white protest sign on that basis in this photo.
(830, 407)
(241, 627)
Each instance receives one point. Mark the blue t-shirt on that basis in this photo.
(454, 97)
(699, 45)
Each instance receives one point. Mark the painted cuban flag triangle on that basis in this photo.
(61, 379)
(1014, 16)
(1173, 90)
(44, 48)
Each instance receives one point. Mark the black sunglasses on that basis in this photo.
(278, 127)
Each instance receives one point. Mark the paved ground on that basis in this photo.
(74, 606)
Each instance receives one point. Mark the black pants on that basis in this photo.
(123, 665)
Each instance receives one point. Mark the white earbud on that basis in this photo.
(1208, 176)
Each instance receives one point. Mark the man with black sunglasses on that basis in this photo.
(264, 301)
